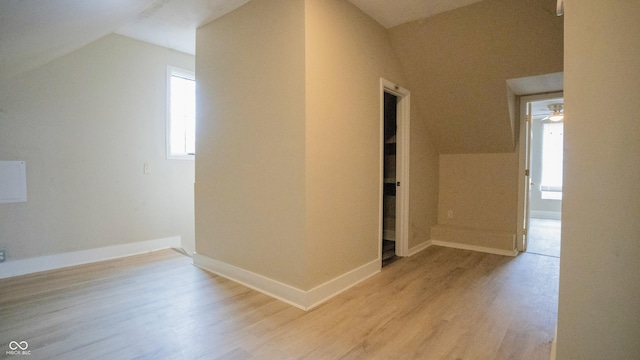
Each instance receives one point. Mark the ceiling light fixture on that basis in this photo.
(558, 112)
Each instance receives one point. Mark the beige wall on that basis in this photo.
(425, 177)
(458, 63)
(347, 53)
(481, 191)
(599, 306)
(288, 166)
(85, 124)
(250, 177)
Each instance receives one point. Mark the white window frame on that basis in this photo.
(175, 71)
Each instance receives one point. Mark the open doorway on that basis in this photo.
(544, 131)
(389, 182)
(394, 172)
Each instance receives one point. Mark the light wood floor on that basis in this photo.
(544, 237)
(439, 304)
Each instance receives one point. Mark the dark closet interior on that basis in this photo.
(389, 193)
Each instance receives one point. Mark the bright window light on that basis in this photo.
(552, 158)
(181, 119)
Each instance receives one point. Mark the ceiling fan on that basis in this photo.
(557, 112)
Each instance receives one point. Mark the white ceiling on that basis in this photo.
(33, 32)
(540, 109)
(173, 23)
(390, 13)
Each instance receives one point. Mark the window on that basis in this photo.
(181, 114)
(551, 182)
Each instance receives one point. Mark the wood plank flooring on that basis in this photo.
(544, 237)
(439, 304)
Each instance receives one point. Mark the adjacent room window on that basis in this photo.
(551, 182)
(181, 114)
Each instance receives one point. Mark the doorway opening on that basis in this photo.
(394, 177)
(389, 182)
(543, 132)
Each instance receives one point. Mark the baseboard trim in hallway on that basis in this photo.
(483, 249)
(302, 299)
(58, 261)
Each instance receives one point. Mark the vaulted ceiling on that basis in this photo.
(393, 13)
(461, 64)
(33, 32)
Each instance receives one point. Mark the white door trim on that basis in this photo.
(525, 159)
(402, 166)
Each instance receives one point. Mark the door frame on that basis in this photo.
(402, 167)
(524, 178)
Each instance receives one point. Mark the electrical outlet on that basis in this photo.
(450, 214)
(3, 255)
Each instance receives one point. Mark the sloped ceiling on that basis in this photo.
(459, 64)
(33, 32)
(393, 13)
(172, 23)
(457, 61)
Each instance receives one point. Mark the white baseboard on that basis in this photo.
(263, 284)
(333, 287)
(12, 268)
(416, 249)
(484, 240)
(474, 248)
(302, 299)
(539, 214)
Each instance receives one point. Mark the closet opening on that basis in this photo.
(394, 172)
(390, 180)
